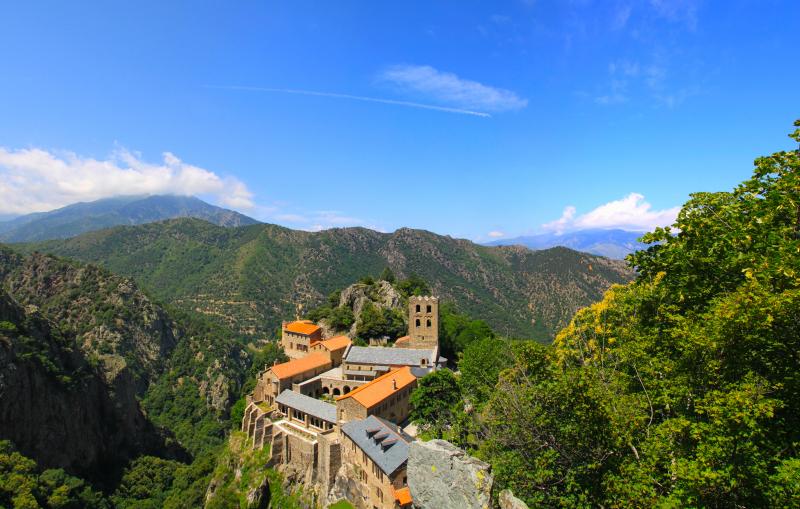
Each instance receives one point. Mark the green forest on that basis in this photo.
(680, 389)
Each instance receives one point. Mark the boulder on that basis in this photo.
(442, 476)
(507, 500)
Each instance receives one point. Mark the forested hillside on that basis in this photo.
(250, 278)
(680, 389)
(96, 374)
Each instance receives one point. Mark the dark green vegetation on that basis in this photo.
(24, 486)
(124, 210)
(680, 389)
(101, 375)
(248, 278)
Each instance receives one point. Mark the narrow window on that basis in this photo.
(428, 324)
(418, 308)
(418, 323)
(428, 308)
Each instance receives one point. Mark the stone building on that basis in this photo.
(280, 377)
(387, 397)
(375, 452)
(298, 336)
(368, 362)
(423, 323)
(334, 348)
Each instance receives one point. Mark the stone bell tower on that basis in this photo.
(423, 322)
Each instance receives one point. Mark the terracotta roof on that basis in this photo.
(372, 393)
(402, 341)
(297, 366)
(335, 343)
(302, 327)
(403, 496)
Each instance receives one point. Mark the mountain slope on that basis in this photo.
(124, 210)
(249, 278)
(610, 243)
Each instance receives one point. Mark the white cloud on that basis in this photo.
(496, 234)
(451, 89)
(630, 213)
(34, 180)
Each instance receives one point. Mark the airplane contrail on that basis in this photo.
(356, 98)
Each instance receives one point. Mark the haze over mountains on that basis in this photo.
(611, 243)
(122, 210)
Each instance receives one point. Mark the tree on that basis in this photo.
(388, 276)
(434, 401)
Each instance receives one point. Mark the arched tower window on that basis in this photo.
(428, 323)
(428, 308)
(417, 322)
(418, 308)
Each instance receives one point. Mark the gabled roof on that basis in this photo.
(301, 327)
(297, 366)
(390, 356)
(309, 405)
(376, 391)
(387, 447)
(334, 343)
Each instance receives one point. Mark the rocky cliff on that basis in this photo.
(57, 407)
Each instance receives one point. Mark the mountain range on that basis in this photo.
(249, 278)
(615, 244)
(122, 210)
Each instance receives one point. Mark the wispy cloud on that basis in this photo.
(632, 213)
(34, 180)
(449, 88)
(335, 95)
(682, 11)
(316, 220)
(496, 234)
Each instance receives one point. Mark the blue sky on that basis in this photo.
(473, 119)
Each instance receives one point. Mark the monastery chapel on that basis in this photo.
(335, 415)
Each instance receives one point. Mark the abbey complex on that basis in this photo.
(333, 415)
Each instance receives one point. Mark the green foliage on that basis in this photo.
(146, 483)
(680, 389)
(413, 285)
(388, 276)
(458, 330)
(435, 399)
(23, 486)
(377, 323)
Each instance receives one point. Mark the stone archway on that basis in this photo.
(336, 392)
(326, 390)
(346, 389)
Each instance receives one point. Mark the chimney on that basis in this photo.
(394, 384)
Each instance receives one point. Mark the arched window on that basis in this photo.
(346, 389)
(428, 308)
(418, 308)
(336, 392)
(417, 322)
(428, 324)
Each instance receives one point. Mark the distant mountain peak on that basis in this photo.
(84, 217)
(613, 243)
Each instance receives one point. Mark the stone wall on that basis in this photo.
(442, 476)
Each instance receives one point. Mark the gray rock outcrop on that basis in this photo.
(507, 500)
(442, 476)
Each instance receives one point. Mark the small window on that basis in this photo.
(428, 308)
(418, 322)
(418, 308)
(428, 323)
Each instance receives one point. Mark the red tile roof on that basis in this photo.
(372, 393)
(301, 327)
(297, 366)
(335, 343)
(403, 496)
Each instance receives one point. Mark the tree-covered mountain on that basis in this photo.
(123, 210)
(613, 243)
(94, 373)
(249, 278)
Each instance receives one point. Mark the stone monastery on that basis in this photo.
(333, 414)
